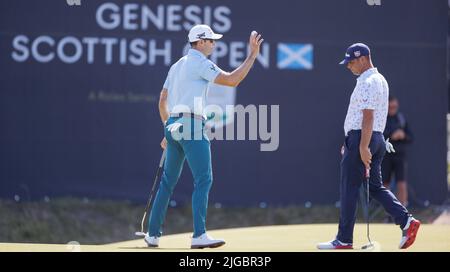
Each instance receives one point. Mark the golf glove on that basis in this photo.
(389, 147)
(175, 132)
(174, 127)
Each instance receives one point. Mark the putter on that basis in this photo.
(147, 207)
(370, 244)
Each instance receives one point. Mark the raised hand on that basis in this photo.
(254, 43)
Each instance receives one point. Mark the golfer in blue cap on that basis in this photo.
(363, 151)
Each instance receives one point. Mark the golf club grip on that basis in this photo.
(158, 172)
(163, 157)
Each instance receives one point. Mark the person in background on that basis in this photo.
(395, 164)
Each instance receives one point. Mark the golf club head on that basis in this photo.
(140, 233)
(367, 246)
(373, 246)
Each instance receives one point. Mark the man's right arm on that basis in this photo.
(163, 108)
(234, 78)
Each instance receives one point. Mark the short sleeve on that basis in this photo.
(209, 71)
(369, 96)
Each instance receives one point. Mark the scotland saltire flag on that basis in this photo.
(295, 56)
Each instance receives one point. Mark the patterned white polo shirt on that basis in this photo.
(371, 92)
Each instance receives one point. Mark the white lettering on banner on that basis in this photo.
(23, 53)
(136, 46)
(207, 18)
(108, 42)
(134, 16)
(136, 51)
(237, 52)
(237, 55)
(173, 18)
(129, 15)
(78, 50)
(90, 42)
(157, 19)
(192, 15)
(223, 23)
(114, 17)
(124, 51)
(264, 56)
(70, 50)
(35, 52)
(156, 51)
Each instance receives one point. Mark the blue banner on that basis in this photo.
(80, 83)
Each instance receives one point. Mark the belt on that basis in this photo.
(187, 114)
(358, 132)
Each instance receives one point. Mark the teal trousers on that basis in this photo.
(187, 142)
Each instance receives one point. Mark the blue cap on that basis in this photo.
(355, 51)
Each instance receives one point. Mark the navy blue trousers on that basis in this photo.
(353, 176)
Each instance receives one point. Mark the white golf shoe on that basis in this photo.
(204, 241)
(151, 241)
(335, 244)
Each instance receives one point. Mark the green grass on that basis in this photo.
(101, 221)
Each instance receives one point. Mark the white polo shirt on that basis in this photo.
(187, 82)
(371, 92)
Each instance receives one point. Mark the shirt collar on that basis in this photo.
(368, 73)
(195, 52)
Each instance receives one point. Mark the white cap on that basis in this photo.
(200, 32)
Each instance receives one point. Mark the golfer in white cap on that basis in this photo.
(181, 103)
